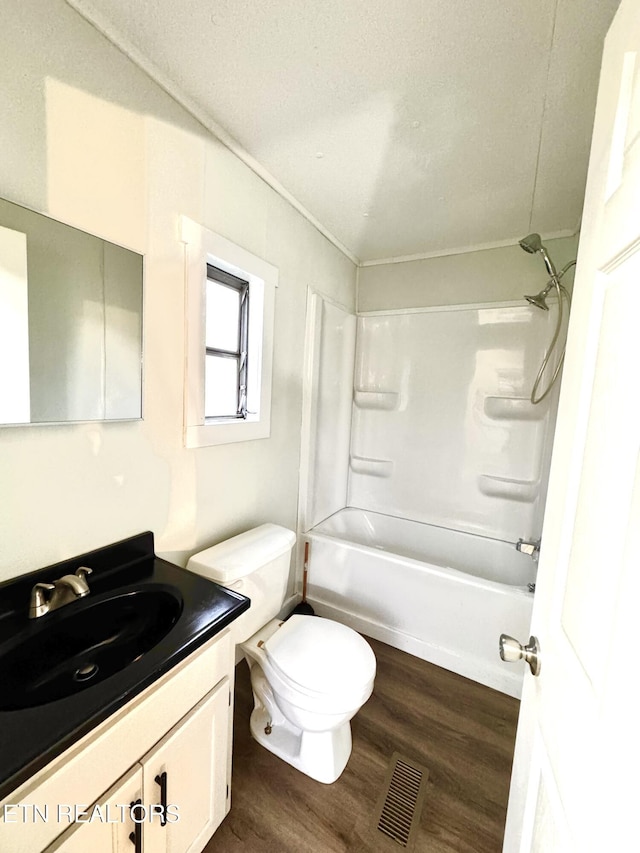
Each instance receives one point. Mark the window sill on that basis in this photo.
(225, 432)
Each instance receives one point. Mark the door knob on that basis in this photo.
(511, 650)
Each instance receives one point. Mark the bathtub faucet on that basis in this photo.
(530, 548)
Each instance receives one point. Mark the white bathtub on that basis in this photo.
(442, 595)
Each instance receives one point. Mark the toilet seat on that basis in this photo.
(322, 660)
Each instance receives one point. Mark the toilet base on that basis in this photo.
(320, 755)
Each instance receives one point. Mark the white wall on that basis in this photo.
(489, 275)
(89, 139)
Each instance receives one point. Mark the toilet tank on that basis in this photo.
(255, 564)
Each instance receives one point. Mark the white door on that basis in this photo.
(188, 773)
(577, 764)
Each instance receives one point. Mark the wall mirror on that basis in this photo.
(70, 323)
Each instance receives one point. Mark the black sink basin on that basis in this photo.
(65, 673)
(83, 643)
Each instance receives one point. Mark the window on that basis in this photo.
(230, 298)
(226, 345)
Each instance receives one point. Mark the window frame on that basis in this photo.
(203, 246)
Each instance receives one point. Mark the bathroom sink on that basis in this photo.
(83, 644)
(64, 673)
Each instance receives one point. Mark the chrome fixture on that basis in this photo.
(63, 591)
(533, 245)
(532, 549)
(511, 650)
(539, 300)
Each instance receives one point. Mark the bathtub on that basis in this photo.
(442, 595)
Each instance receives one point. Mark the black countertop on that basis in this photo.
(31, 737)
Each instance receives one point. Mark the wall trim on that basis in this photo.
(463, 250)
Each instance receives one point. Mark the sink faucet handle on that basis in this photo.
(39, 603)
(83, 571)
(80, 586)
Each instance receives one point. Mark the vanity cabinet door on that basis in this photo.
(187, 771)
(111, 825)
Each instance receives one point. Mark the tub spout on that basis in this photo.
(530, 548)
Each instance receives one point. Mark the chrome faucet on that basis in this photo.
(63, 591)
(530, 548)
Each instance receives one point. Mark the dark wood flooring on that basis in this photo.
(461, 731)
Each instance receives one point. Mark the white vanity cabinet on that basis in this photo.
(173, 741)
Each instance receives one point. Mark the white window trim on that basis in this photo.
(202, 246)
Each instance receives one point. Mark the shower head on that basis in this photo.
(539, 300)
(532, 243)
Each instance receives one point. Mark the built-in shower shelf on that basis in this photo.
(513, 409)
(523, 491)
(372, 467)
(385, 401)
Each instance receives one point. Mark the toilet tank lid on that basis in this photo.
(239, 556)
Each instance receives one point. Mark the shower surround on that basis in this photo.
(447, 469)
(443, 431)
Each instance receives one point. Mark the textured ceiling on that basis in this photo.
(405, 128)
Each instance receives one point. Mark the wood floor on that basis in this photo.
(462, 732)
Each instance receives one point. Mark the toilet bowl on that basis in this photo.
(309, 675)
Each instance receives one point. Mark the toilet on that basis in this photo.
(309, 675)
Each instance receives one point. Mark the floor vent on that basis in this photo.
(402, 800)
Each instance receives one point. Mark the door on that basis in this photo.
(574, 785)
(112, 828)
(188, 773)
